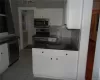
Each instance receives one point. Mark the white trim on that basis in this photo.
(2, 15)
(85, 30)
(20, 21)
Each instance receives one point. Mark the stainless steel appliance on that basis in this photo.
(42, 32)
(41, 22)
(13, 48)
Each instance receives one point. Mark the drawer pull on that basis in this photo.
(1, 53)
(51, 58)
(42, 52)
(56, 58)
(66, 54)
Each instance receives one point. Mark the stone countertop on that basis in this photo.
(60, 44)
(55, 46)
(8, 39)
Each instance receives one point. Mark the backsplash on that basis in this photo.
(65, 36)
(75, 37)
(62, 33)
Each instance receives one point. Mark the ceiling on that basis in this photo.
(41, 3)
(96, 0)
(44, 0)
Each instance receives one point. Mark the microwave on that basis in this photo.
(41, 22)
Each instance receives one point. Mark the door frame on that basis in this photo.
(20, 9)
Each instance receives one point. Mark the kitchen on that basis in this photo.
(57, 42)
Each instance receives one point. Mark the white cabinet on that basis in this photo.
(73, 13)
(4, 59)
(58, 64)
(55, 15)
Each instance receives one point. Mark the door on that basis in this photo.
(94, 26)
(24, 28)
(92, 43)
(30, 25)
(96, 67)
(27, 26)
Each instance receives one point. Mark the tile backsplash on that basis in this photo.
(61, 33)
(67, 36)
(75, 38)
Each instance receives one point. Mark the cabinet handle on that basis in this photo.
(42, 52)
(1, 53)
(66, 54)
(51, 58)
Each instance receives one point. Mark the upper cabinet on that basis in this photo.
(73, 13)
(55, 15)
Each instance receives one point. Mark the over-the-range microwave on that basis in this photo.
(41, 22)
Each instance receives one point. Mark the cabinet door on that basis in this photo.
(4, 58)
(0, 53)
(73, 14)
(55, 63)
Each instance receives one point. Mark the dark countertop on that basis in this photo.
(61, 44)
(7, 39)
(55, 46)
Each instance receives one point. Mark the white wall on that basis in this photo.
(96, 70)
(55, 15)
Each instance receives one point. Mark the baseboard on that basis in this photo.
(51, 77)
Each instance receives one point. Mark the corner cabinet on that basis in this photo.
(56, 64)
(4, 58)
(73, 13)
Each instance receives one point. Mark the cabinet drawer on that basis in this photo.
(55, 63)
(52, 52)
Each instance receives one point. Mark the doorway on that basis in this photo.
(92, 43)
(26, 26)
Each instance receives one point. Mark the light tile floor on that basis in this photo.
(22, 69)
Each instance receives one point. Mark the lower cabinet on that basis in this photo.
(58, 64)
(4, 59)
